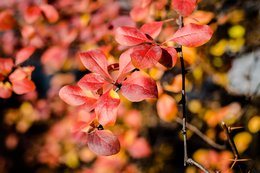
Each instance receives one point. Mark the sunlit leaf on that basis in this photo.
(145, 56)
(193, 35)
(242, 141)
(184, 7)
(91, 81)
(95, 61)
(23, 54)
(153, 29)
(23, 86)
(166, 108)
(74, 95)
(103, 142)
(106, 108)
(139, 86)
(125, 65)
(5, 90)
(254, 124)
(130, 36)
(50, 12)
(6, 65)
(7, 20)
(140, 148)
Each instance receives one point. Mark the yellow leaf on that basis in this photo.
(236, 31)
(242, 140)
(254, 124)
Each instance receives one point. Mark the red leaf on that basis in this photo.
(139, 149)
(130, 36)
(139, 13)
(91, 81)
(166, 108)
(103, 142)
(169, 57)
(6, 65)
(23, 86)
(83, 124)
(106, 108)
(6, 20)
(50, 12)
(5, 90)
(74, 95)
(139, 86)
(54, 57)
(95, 61)
(32, 13)
(125, 65)
(18, 74)
(146, 56)
(193, 35)
(184, 7)
(153, 29)
(23, 54)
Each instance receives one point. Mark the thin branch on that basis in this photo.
(187, 160)
(201, 135)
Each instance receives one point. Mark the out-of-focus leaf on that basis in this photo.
(145, 56)
(74, 95)
(236, 31)
(23, 54)
(32, 13)
(50, 12)
(153, 29)
(193, 35)
(242, 141)
(184, 7)
(6, 65)
(23, 86)
(166, 108)
(103, 142)
(95, 61)
(91, 81)
(140, 148)
(7, 20)
(139, 13)
(106, 108)
(5, 90)
(139, 86)
(199, 17)
(254, 124)
(130, 36)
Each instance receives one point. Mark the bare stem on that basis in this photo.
(187, 160)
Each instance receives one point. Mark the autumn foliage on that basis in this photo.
(105, 78)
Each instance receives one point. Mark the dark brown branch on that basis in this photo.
(187, 160)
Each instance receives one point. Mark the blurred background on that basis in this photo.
(223, 85)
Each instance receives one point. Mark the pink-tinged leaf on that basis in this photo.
(32, 13)
(153, 29)
(145, 56)
(91, 81)
(184, 7)
(74, 95)
(18, 74)
(130, 36)
(50, 12)
(7, 20)
(125, 65)
(23, 86)
(193, 35)
(95, 61)
(53, 58)
(103, 142)
(82, 125)
(167, 108)
(6, 65)
(169, 57)
(106, 108)
(139, 86)
(139, 13)
(5, 90)
(139, 149)
(23, 54)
